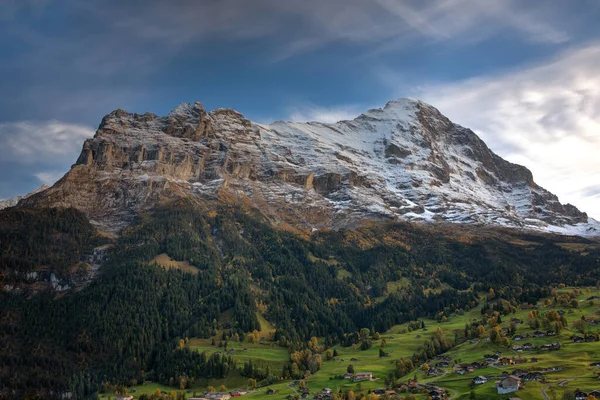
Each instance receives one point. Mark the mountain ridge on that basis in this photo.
(403, 161)
(13, 201)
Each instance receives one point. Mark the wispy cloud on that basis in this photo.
(111, 46)
(308, 113)
(37, 152)
(49, 177)
(546, 117)
(28, 142)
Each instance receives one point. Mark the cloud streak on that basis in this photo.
(309, 113)
(37, 152)
(33, 142)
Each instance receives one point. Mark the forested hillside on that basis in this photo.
(127, 325)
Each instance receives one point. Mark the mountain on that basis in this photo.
(220, 230)
(14, 200)
(404, 161)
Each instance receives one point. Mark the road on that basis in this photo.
(562, 383)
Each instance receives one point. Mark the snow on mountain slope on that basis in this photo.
(14, 200)
(404, 161)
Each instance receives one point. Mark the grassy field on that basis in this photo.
(573, 359)
(167, 262)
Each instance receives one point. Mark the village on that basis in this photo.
(526, 363)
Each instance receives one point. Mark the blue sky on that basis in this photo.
(525, 75)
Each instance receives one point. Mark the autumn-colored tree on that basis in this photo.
(313, 344)
(480, 332)
(329, 354)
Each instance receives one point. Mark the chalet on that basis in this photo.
(534, 360)
(519, 373)
(327, 391)
(591, 338)
(517, 347)
(480, 380)
(270, 391)
(437, 394)
(492, 357)
(217, 395)
(550, 333)
(528, 346)
(434, 372)
(413, 384)
(509, 384)
(443, 364)
(595, 364)
(553, 346)
(539, 334)
(533, 376)
(520, 360)
(515, 321)
(579, 395)
(595, 393)
(348, 376)
(506, 361)
(363, 376)
(462, 369)
(518, 338)
(578, 339)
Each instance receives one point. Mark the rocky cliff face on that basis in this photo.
(403, 161)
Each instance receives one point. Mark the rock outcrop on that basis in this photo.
(403, 161)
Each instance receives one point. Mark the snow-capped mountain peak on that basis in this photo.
(403, 161)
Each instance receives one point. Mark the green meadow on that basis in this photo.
(573, 359)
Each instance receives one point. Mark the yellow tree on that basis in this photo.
(480, 332)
